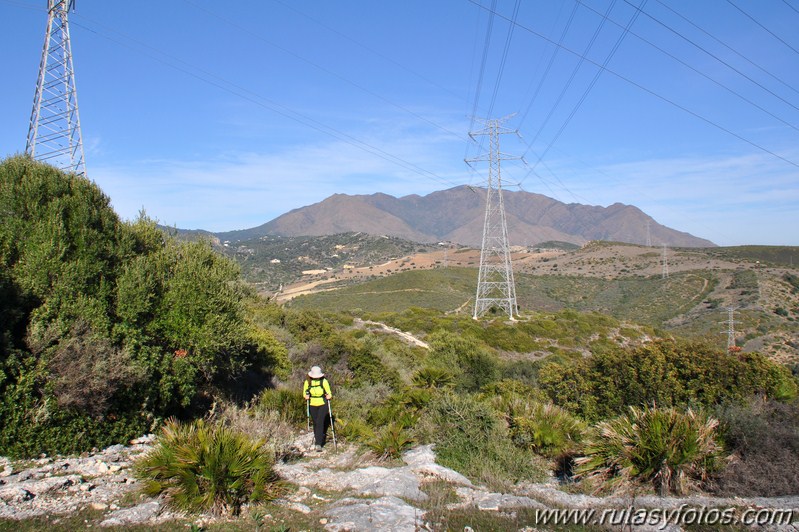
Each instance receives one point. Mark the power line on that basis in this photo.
(720, 61)
(325, 70)
(252, 97)
(483, 61)
(551, 62)
(591, 85)
(789, 5)
(572, 76)
(730, 48)
(508, 40)
(653, 93)
(753, 19)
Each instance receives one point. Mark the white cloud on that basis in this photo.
(241, 190)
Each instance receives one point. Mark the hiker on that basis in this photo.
(316, 390)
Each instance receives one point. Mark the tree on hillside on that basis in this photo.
(107, 326)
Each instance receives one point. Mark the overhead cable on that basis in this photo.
(652, 92)
(257, 99)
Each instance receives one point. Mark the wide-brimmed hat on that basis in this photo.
(316, 373)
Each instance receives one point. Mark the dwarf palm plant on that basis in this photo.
(201, 467)
(432, 377)
(546, 429)
(667, 447)
(391, 441)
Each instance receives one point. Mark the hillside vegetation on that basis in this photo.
(109, 328)
(687, 303)
(270, 262)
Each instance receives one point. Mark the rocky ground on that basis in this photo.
(341, 491)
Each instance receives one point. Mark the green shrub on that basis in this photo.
(367, 368)
(665, 447)
(547, 430)
(471, 438)
(391, 440)
(471, 365)
(207, 468)
(763, 437)
(664, 372)
(289, 403)
(432, 377)
(353, 429)
(111, 321)
(306, 325)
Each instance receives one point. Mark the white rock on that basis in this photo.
(296, 506)
(15, 494)
(387, 514)
(143, 440)
(137, 514)
(300, 495)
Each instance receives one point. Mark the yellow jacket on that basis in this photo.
(317, 389)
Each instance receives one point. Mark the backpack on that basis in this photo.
(316, 390)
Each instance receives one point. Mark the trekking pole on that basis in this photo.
(307, 414)
(332, 426)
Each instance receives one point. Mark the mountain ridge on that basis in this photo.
(457, 215)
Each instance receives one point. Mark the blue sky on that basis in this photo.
(224, 115)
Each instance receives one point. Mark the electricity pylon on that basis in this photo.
(730, 332)
(495, 284)
(54, 133)
(664, 269)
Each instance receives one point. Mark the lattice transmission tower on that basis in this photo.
(495, 284)
(54, 133)
(730, 332)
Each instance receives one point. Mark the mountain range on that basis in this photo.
(457, 215)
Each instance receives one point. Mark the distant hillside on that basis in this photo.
(457, 214)
(272, 261)
(620, 280)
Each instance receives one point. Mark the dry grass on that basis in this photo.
(267, 425)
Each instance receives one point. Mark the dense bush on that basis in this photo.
(665, 373)
(471, 365)
(289, 404)
(763, 437)
(670, 449)
(471, 438)
(199, 467)
(109, 326)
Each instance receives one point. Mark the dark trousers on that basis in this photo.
(321, 420)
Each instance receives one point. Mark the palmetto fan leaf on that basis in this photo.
(667, 447)
(201, 467)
